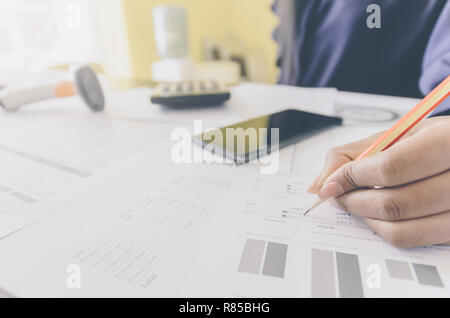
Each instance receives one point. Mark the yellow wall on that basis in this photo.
(250, 21)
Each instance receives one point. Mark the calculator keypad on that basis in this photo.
(190, 93)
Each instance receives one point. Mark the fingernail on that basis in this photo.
(331, 190)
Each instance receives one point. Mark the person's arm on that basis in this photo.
(436, 62)
(412, 207)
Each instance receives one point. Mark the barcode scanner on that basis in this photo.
(86, 85)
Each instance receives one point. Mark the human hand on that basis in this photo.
(402, 193)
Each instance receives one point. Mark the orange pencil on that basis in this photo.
(405, 124)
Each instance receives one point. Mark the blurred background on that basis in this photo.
(222, 38)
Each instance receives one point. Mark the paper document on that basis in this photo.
(42, 155)
(261, 244)
(263, 98)
(133, 238)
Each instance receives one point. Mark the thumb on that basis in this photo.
(353, 175)
(341, 181)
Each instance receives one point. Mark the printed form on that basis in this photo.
(133, 238)
(43, 155)
(262, 245)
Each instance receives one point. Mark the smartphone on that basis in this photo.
(251, 139)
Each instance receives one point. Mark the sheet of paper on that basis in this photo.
(133, 238)
(261, 245)
(44, 153)
(263, 98)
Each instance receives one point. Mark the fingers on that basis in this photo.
(430, 230)
(419, 156)
(415, 200)
(339, 156)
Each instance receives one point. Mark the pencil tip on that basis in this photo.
(319, 202)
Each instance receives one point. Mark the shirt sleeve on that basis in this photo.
(436, 62)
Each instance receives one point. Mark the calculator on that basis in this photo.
(191, 93)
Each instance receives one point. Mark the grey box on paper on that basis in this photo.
(349, 274)
(252, 256)
(428, 275)
(322, 275)
(275, 261)
(399, 269)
